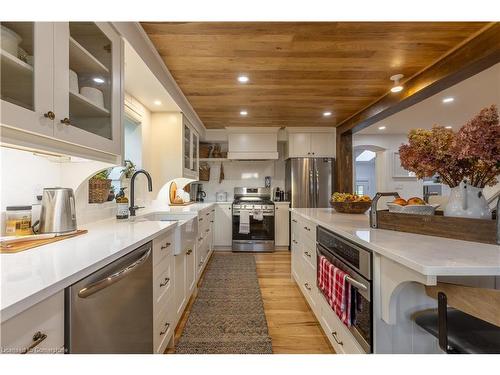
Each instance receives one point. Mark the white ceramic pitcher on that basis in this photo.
(467, 201)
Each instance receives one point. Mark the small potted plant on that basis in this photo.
(111, 194)
(99, 187)
(129, 169)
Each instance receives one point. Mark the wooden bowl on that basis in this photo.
(351, 207)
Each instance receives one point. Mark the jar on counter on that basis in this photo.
(18, 221)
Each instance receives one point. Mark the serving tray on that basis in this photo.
(30, 244)
(458, 228)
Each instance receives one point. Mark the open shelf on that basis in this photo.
(82, 61)
(214, 159)
(80, 106)
(17, 80)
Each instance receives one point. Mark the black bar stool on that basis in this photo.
(459, 332)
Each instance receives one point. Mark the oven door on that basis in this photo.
(260, 230)
(362, 327)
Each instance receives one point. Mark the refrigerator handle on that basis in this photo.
(317, 187)
(312, 199)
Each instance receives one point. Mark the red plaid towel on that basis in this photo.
(332, 282)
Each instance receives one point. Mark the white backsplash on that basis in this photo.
(243, 174)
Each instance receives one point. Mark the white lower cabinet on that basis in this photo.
(304, 271)
(163, 327)
(180, 284)
(190, 271)
(39, 329)
(281, 224)
(223, 232)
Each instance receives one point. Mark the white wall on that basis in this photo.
(387, 145)
(243, 174)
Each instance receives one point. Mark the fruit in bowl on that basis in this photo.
(350, 203)
(415, 201)
(414, 205)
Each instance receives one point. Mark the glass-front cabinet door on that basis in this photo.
(195, 164)
(88, 99)
(187, 148)
(26, 87)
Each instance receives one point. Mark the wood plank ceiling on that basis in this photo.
(296, 70)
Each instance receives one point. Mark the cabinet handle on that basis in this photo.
(165, 282)
(207, 230)
(334, 334)
(307, 286)
(38, 337)
(166, 329)
(201, 262)
(50, 115)
(294, 220)
(165, 246)
(208, 213)
(189, 252)
(309, 255)
(211, 221)
(66, 121)
(308, 229)
(199, 239)
(200, 219)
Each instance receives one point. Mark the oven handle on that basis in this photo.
(355, 283)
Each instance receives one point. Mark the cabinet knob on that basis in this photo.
(166, 245)
(50, 115)
(189, 252)
(65, 121)
(165, 282)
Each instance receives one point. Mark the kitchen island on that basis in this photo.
(403, 264)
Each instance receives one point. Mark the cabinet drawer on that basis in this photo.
(308, 285)
(163, 282)
(338, 334)
(163, 245)
(164, 327)
(46, 317)
(308, 230)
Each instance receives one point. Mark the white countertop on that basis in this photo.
(428, 255)
(30, 276)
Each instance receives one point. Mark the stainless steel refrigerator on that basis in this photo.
(309, 182)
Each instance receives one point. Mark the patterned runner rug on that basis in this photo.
(227, 316)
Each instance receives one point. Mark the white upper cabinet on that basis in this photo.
(27, 75)
(65, 82)
(174, 146)
(191, 143)
(88, 106)
(314, 142)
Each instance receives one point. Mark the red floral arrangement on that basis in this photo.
(471, 154)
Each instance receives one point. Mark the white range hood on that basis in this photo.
(252, 143)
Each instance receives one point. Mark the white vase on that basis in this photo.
(467, 201)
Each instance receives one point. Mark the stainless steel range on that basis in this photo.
(253, 220)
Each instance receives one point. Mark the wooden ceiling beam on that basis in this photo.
(475, 55)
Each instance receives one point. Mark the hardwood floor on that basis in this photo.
(292, 325)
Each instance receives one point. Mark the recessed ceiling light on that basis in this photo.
(381, 128)
(448, 127)
(243, 113)
(157, 102)
(243, 79)
(98, 80)
(397, 86)
(448, 100)
(326, 114)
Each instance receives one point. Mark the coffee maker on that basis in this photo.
(196, 192)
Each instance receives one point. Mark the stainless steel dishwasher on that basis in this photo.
(111, 311)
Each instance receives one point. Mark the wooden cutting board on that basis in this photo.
(30, 244)
(172, 192)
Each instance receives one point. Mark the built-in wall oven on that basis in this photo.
(253, 220)
(356, 261)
